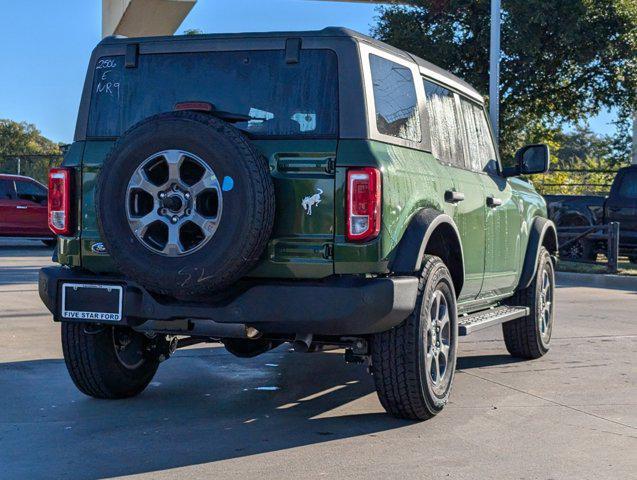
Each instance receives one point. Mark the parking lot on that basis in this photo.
(207, 414)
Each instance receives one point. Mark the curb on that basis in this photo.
(598, 280)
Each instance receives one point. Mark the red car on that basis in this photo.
(23, 209)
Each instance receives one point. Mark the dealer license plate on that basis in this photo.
(91, 302)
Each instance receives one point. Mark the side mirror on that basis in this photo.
(531, 159)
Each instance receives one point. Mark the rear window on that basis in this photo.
(280, 99)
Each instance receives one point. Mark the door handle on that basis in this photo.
(452, 196)
(493, 202)
(21, 207)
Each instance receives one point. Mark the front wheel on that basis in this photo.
(108, 362)
(530, 336)
(414, 363)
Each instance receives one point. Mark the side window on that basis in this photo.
(481, 150)
(31, 192)
(628, 188)
(395, 99)
(444, 124)
(7, 191)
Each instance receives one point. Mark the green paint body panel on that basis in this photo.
(469, 216)
(301, 244)
(412, 180)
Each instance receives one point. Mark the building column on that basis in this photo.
(143, 18)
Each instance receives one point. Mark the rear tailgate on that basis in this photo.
(303, 236)
(302, 242)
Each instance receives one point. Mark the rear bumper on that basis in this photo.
(336, 306)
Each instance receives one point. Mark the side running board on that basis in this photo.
(488, 318)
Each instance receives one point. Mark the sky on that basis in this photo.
(44, 49)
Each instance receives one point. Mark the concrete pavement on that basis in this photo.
(569, 415)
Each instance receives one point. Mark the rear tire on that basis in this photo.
(406, 359)
(97, 369)
(530, 337)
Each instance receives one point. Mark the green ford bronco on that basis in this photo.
(320, 188)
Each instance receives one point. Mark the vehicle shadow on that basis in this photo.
(479, 361)
(204, 406)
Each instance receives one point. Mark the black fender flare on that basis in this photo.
(411, 248)
(541, 232)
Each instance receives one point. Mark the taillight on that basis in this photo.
(60, 201)
(363, 204)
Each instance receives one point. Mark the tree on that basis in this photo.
(24, 138)
(581, 159)
(19, 140)
(561, 61)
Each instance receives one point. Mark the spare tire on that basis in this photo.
(185, 204)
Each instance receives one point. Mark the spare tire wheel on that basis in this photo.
(185, 204)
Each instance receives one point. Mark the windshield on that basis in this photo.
(275, 98)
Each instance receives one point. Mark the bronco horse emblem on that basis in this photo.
(311, 201)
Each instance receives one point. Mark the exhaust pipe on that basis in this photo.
(302, 342)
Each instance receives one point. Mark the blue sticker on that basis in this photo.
(228, 184)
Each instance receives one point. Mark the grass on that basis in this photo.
(625, 267)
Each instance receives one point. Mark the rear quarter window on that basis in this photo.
(395, 99)
(281, 99)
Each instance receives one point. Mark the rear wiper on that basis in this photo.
(229, 117)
